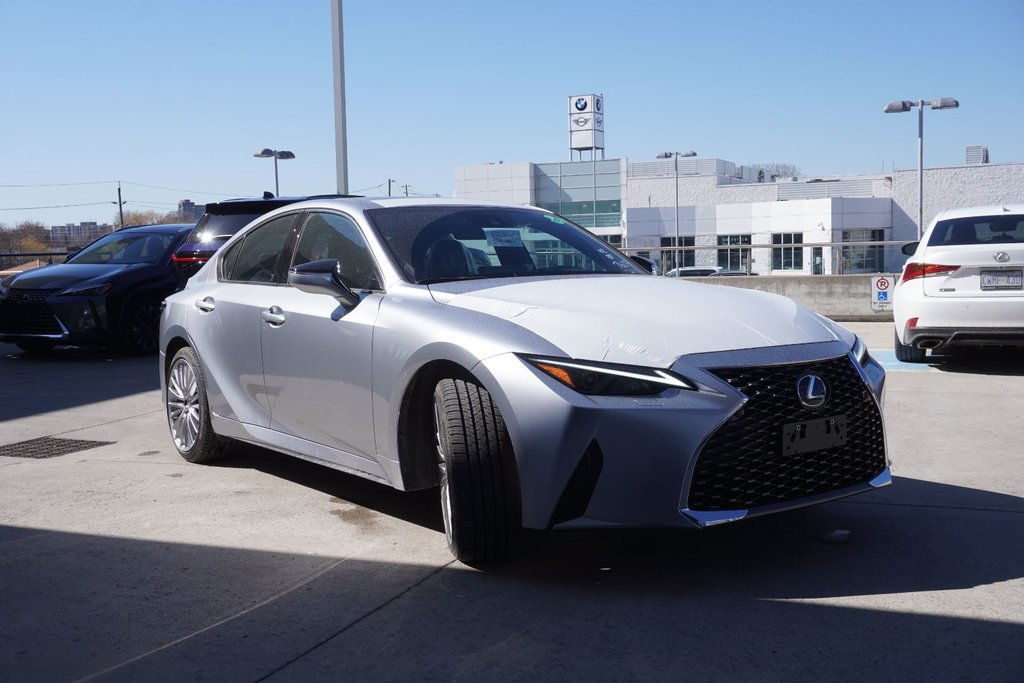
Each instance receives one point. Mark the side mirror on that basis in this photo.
(321, 277)
(909, 249)
(647, 264)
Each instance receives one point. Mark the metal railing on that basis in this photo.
(843, 257)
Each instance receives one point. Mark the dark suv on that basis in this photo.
(221, 221)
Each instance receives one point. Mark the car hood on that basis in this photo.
(63, 275)
(639, 320)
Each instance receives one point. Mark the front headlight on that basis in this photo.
(607, 379)
(92, 290)
(5, 285)
(860, 352)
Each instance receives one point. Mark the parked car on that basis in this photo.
(961, 285)
(693, 271)
(544, 388)
(220, 221)
(108, 293)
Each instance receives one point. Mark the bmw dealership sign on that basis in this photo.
(586, 122)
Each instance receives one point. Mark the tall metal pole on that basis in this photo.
(675, 254)
(920, 169)
(340, 133)
(277, 186)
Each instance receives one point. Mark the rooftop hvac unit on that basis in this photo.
(977, 154)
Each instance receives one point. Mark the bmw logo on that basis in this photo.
(597, 104)
(581, 104)
(812, 392)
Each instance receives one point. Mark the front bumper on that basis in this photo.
(688, 458)
(31, 315)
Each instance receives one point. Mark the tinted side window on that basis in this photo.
(255, 259)
(331, 236)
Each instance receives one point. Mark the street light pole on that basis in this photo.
(675, 166)
(899, 106)
(276, 154)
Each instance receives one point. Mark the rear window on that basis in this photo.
(213, 230)
(978, 230)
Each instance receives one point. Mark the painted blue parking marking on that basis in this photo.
(887, 359)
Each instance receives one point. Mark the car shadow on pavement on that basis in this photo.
(998, 361)
(70, 377)
(421, 508)
(761, 600)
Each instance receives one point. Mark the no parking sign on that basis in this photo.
(881, 292)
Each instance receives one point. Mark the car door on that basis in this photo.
(316, 352)
(226, 320)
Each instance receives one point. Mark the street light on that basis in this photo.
(674, 156)
(900, 106)
(275, 154)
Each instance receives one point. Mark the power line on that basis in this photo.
(55, 206)
(175, 189)
(91, 182)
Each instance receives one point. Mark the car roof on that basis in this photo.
(991, 210)
(241, 205)
(167, 228)
(364, 203)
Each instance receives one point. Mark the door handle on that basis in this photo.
(206, 305)
(274, 315)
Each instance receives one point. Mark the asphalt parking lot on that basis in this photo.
(124, 562)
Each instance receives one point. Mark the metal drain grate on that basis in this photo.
(48, 447)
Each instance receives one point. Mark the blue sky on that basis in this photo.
(179, 94)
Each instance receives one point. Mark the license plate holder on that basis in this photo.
(1000, 279)
(813, 435)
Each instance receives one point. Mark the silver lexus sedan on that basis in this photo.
(531, 372)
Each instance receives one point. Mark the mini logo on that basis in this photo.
(581, 121)
(581, 104)
(812, 392)
(1001, 256)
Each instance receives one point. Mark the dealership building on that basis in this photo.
(730, 217)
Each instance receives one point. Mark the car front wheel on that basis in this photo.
(140, 330)
(188, 414)
(480, 498)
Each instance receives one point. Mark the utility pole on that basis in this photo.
(406, 186)
(120, 204)
(389, 186)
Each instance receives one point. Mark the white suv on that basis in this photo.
(961, 285)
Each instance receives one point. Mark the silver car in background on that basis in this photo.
(530, 371)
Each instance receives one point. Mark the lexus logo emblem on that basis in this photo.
(1001, 256)
(812, 392)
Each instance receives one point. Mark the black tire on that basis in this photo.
(140, 328)
(908, 354)
(188, 414)
(480, 498)
(39, 346)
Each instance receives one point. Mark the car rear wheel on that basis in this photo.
(480, 498)
(188, 414)
(140, 330)
(908, 354)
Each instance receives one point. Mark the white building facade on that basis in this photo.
(727, 219)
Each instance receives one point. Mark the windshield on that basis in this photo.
(127, 247)
(443, 243)
(978, 230)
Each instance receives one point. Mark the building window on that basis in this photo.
(686, 257)
(863, 258)
(614, 240)
(787, 257)
(735, 253)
